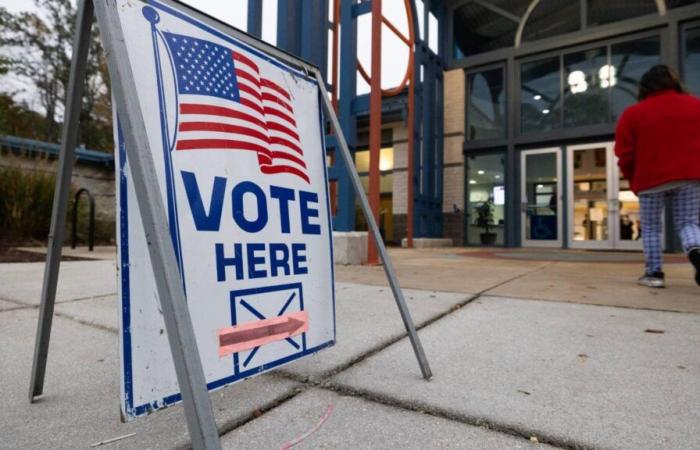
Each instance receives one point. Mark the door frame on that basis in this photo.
(524, 203)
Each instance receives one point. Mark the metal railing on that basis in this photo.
(91, 224)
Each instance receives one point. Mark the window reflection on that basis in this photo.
(540, 95)
(691, 60)
(585, 90)
(630, 60)
(486, 109)
(478, 29)
(601, 12)
(598, 83)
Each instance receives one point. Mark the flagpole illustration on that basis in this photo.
(168, 145)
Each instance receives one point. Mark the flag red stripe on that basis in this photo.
(245, 60)
(190, 108)
(222, 144)
(224, 128)
(272, 85)
(249, 90)
(280, 114)
(247, 76)
(282, 129)
(284, 169)
(252, 105)
(270, 97)
(281, 141)
(288, 156)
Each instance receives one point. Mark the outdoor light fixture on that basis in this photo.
(577, 82)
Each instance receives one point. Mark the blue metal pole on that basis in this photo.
(255, 18)
(345, 217)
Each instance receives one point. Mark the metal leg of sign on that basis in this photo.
(374, 230)
(69, 140)
(178, 324)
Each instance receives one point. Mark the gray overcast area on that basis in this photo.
(234, 12)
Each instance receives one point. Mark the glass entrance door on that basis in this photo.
(541, 197)
(602, 211)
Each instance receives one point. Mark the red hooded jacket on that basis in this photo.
(658, 140)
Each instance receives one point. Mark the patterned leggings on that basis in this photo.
(686, 217)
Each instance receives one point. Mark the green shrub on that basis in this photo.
(26, 200)
(25, 205)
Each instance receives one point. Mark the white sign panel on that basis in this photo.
(237, 141)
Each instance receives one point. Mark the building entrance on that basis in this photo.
(603, 213)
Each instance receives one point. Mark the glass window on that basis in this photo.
(477, 29)
(679, 3)
(486, 108)
(552, 18)
(486, 194)
(628, 62)
(601, 12)
(586, 87)
(691, 60)
(540, 95)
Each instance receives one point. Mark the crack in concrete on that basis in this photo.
(424, 408)
(233, 424)
(86, 323)
(62, 302)
(571, 302)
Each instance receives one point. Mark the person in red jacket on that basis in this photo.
(657, 141)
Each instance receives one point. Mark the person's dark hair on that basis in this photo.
(659, 78)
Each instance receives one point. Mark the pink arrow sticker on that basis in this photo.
(254, 334)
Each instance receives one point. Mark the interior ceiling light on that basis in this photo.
(498, 177)
(472, 181)
(537, 97)
(607, 75)
(480, 172)
(577, 82)
(545, 111)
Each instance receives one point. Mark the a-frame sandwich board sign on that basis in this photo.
(221, 157)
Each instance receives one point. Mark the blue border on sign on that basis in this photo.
(135, 411)
(124, 267)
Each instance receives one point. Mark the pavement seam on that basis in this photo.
(70, 300)
(18, 307)
(634, 308)
(517, 277)
(233, 424)
(86, 323)
(423, 408)
(382, 345)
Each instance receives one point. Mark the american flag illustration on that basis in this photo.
(224, 103)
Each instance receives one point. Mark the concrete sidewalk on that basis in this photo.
(519, 361)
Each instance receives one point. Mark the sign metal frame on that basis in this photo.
(188, 367)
